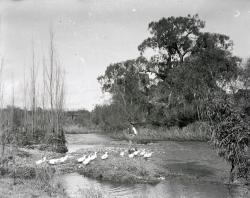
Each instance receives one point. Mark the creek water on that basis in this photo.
(77, 185)
(83, 141)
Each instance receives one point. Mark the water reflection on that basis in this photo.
(174, 188)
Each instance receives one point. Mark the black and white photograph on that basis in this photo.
(125, 98)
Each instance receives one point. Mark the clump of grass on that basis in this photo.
(27, 188)
(197, 131)
(41, 177)
(29, 171)
(44, 175)
(24, 170)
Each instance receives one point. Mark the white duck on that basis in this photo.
(94, 156)
(53, 161)
(122, 153)
(142, 153)
(136, 153)
(81, 159)
(41, 161)
(162, 178)
(58, 160)
(148, 155)
(105, 156)
(87, 160)
(63, 159)
(131, 155)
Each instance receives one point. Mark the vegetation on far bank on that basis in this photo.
(192, 76)
(197, 131)
(76, 129)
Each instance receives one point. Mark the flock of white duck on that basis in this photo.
(134, 152)
(52, 161)
(86, 159)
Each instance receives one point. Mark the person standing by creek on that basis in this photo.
(132, 133)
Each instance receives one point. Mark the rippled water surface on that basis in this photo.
(77, 185)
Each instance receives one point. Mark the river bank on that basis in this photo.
(193, 132)
(21, 177)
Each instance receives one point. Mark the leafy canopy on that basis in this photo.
(182, 48)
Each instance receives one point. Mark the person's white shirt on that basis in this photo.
(134, 130)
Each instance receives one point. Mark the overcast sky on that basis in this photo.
(91, 34)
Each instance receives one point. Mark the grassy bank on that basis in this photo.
(198, 131)
(39, 186)
(21, 177)
(27, 188)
